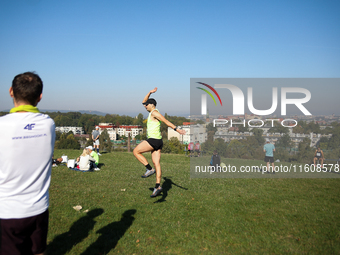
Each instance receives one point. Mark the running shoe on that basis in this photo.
(156, 192)
(148, 173)
(97, 169)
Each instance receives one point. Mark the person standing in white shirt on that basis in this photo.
(25, 169)
(95, 138)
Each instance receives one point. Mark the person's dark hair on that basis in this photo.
(27, 87)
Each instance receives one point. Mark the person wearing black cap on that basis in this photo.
(154, 142)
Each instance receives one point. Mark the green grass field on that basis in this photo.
(192, 216)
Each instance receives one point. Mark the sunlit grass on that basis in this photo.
(193, 216)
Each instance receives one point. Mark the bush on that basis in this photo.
(173, 146)
(67, 141)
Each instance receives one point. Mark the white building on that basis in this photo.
(125, 130)
(75, 130)
(111, 130)
(193, 133)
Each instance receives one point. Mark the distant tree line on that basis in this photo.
(89, 121)
(249, 148)
(67, 141)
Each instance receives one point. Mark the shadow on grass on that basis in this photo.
(167, 185)
(100, 165)
(110, 234)
(79, 230)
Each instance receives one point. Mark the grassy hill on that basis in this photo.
(192, 216)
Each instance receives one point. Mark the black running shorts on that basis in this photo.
(24, 236)
(269, 159)
(156, 144)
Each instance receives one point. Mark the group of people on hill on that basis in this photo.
(88, 160)
(194, 148)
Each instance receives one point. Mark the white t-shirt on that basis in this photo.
(26, 150)
(84, 162)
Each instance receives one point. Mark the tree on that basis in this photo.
(210, 127)
(63, 121)
(58, 135)
(143, 136)
(211, 130)
(334, 141)
(323, 143)
(208, 147)
(173, 146)
(281, 154)
(258, 136)
(303, 127)
(166, 147)
(139, 120)
(278, 129)
(89, 126)
(236, 149)
(89, 142)
(3, 113)
(284, 142)
(221, 147)
(300, 127)
(243, 129)
(255, 151)
(313, 128)
(305, 154)
(105, 142)
(67, 141)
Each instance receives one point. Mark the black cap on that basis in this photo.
(150, 101)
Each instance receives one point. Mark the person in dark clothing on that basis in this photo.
(215, 160)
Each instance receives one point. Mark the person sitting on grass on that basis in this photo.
(86, 162)
(56, 162)
(215, 160)
(94, 155)
(318, 155)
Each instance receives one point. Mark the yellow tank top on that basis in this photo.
(153, 127)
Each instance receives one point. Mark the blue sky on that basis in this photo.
(106, 55)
